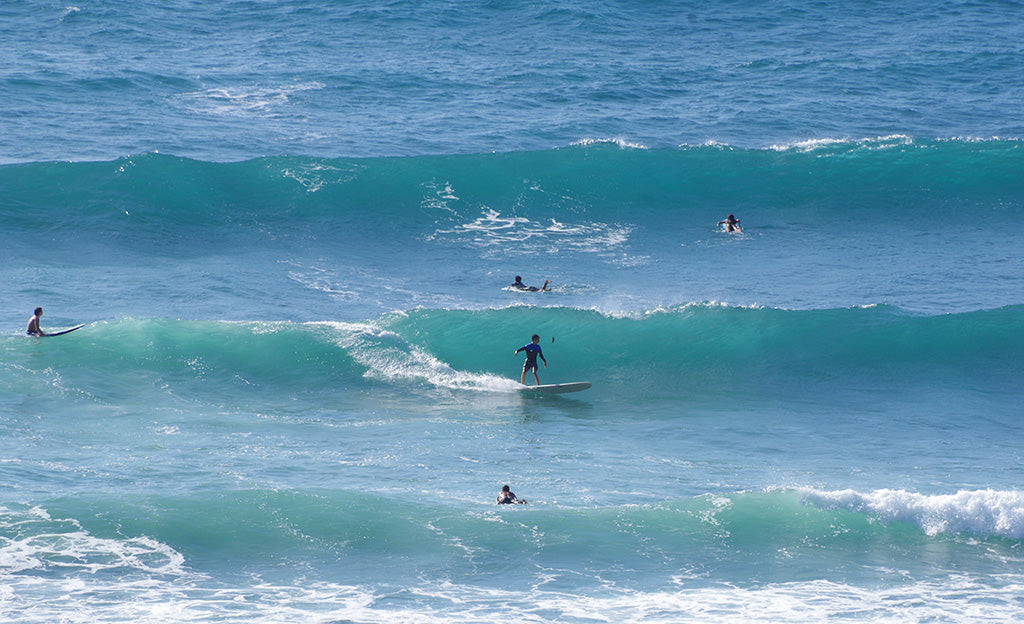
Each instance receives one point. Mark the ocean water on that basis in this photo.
(290, 227)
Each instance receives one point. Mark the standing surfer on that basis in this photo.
(33, 324)
(532, 351)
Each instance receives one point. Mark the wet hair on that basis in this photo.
(39, 311)
(504, 488)
(518, 278)
(535, 337)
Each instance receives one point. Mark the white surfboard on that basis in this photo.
(64, 331)
(574, 386)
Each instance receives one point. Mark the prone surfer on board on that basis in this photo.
(532, 351)
(33, 324)
(507, 497)
(519, 285)
(732, 224)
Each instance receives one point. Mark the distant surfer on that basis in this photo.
(519, 285)
(532, 351)
(33, 324)
(507, 497)
(731, 223)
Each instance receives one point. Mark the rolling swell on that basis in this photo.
(694, 349)
(145, 197)
(697, 349)
(650, 562)
(690, 536)
(925, 226)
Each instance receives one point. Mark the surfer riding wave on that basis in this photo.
(533, 350)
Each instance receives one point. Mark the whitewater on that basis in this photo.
(291, 227)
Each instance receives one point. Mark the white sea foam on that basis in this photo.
(315, 176)
(640, 314)
(719, 145)
(983, 513)
(33, 542)
(244, 101)
(495, 232)
(439, 196)
(388, 356)
(960, 599)
(53, 570)
(492, 222)
(807, 144)
(976, 139)
(623, 143)
(824, 144)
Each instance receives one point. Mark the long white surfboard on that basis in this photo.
(574, 386)
(64, 331)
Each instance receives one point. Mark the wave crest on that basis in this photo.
(983, 513)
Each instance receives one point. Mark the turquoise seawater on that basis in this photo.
(291, 225)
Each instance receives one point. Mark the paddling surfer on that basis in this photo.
(731, 223)
(519, 285)
(532, 351)
(33, 324)
(507, 497)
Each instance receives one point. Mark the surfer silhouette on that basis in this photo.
(532, 351)
(33, 324)
(519, 285)
(507, 497)
(732, 224)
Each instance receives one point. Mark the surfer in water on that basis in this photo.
(519, 285)
(33, 324)
(507, 497)
(731, 223)
(532, 351)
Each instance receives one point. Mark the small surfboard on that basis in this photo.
(561, 388)
(64, 331)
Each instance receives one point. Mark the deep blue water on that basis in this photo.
(237, 79)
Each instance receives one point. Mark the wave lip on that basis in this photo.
(984, 513)
(620, 142)
(388, 356)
